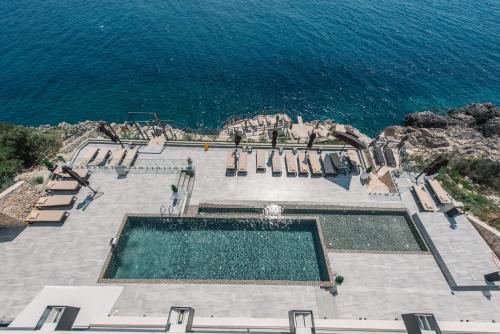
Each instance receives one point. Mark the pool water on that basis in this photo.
(371, 231)
(218, 249)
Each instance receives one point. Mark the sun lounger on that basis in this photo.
(353, 160)
(328, 167)
(424, 198)
(389, 156)
(62, 185)
(89, 156)
(291, 163)
(83, 173)
(276, 164)
(117, 157)
(303, 167)
(379, 156)
(38, 216)
(130, 157)
(230, 163)
(261, 161)
(315, 164)
(337, 163)
(58, 200)
(100, 158)
(440, 193)
(242, 163)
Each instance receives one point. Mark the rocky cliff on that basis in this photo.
(473, 130)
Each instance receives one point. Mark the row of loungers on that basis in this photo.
(97, 157)
(332, 163)
(383, 157)
(425, 198)
(41, 214)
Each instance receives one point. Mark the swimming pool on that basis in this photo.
(220, 250)
(351, 230)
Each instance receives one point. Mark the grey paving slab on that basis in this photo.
(377, 286)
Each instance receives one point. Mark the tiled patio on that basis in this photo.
(377, 286)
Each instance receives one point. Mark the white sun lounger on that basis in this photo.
(100, 158)
(303, 167)
(242, 162)
(424, 198)
(62, 185)
(130, 157)
(37, 216)
(291, 163)
(440, 193)
(83, 173)
(315, 164)
(276, 164)
(261, 161)
(89, 156)
(51, 201)
(230, 163)
(117, 157)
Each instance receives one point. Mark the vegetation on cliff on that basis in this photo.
(21, 148)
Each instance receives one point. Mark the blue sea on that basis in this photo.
(197, 63)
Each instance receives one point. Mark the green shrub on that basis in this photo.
(339, 280)
(37, 180)
(175, 189)
(22, 147)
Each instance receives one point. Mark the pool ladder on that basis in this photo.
(166, 211)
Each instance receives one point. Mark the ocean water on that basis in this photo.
(197, 63)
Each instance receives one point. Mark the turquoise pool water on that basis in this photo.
(218, 249)
(354, 230)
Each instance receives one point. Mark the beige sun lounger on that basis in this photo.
(83, 173)
(424, 198)
(261, 161)
(354, 158)
(117, 157)
(276, 163)
(100, 158)
(37, 216)
(242, 162)
(62, 185)
(303, 167)
(89, 156)
(315, 164)
(230, 163)
(51, 201)
(440, 193)
(130, 157)
(291, 163)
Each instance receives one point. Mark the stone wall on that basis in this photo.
(489, 234)
(16, 203)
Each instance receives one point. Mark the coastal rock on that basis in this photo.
(472, 131)
(428, 119)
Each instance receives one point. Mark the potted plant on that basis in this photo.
(190, 168)
(365, 175)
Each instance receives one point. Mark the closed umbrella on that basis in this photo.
(110, 134)
(274, 138)
(310, 142)
(84, 183)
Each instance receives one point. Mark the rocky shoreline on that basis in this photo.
(472, 131)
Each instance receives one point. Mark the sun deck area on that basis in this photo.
(446, 278)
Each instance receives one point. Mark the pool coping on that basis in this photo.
(322, 284)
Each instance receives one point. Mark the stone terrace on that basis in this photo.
(377, 286)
